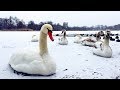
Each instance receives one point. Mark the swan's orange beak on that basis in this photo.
(50, 35)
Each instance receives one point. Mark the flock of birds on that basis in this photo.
(37, 61)
(100, 47)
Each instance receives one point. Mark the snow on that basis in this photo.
(73, 61)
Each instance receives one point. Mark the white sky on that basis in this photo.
(74, 18)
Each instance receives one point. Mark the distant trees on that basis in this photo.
(116, 27)
(1, 23)
(11, 23)
(57, 27)
(21, 24)
(15, 23)
(31, 25)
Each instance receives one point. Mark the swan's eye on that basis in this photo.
(49, 30)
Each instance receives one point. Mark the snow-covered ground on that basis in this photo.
(74, 61)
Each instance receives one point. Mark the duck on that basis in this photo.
(118, 40)
(34, 38)
(117, 37)
(63, 40)
(37, 60)
(112, 39)
(78, 39)
(91, 40)
(104, 50)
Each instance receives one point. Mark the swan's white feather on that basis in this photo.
(29, 61)
(63, 41)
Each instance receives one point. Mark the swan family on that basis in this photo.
(37, 60)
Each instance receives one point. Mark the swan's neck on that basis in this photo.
(106, 42)
(43, 44)
(98, 38)
(79, 37)
(64, 35)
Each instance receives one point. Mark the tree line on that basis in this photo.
(13, 23)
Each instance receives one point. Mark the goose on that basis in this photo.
(104, 50)
(35, 61)
(78, 39)
(63, 40)
(34, 38)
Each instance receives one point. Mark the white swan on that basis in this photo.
(63, 40)
(35, 61)
(104, 50)
(78, 39)
(34, 38)
(91, 40)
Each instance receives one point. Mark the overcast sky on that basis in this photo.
(74, 18)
